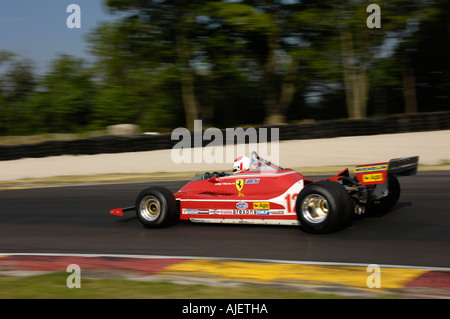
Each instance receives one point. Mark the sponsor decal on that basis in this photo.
(190, 211)
(370, 168)
(262, 212)
(244, 212)
(226, 211)
(239, 186)
(242, 205)
(252, 181)
(368, 178)
(277, 212)
(372, 174)
(261, 205)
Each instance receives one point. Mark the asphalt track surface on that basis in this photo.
(76, 220)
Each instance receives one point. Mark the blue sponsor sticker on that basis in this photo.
(242, 205)
(371, 168)
(252, 181)
(262, 212)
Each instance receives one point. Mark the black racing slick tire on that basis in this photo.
(324, 207)
(156, 207)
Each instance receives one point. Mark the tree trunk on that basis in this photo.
(355, 79)
(409, 89)
(276, 103)
(288, 87)
(190, 103)
(271, 95)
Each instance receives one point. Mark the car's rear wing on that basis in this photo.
(405, 166)
(373, 174)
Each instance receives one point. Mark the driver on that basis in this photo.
(241, 164)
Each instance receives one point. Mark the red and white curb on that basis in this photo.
(431, 282)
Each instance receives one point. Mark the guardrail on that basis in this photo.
(322, 129)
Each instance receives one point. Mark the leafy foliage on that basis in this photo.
(162, 63)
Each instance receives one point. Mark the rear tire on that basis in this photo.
(156, 207)
(323, 207)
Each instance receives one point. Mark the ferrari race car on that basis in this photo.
(269, 194)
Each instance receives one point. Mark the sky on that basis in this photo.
(37, 29)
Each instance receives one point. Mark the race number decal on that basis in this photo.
(290, 202)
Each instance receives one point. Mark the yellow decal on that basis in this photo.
(261, 205)
(239, 186)
(367, 178)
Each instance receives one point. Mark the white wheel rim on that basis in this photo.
(314, 208)
(149, 208)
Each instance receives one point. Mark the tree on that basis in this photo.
(271, 43)
(18, 84)
(145, 97)
(19, 80)
(423, 56)
(247, 41)
(64, 101)
(160, 33)
(5, 56)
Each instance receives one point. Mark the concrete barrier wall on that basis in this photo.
(420, 122)
(333, 154)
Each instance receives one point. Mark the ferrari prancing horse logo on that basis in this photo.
(239, 186)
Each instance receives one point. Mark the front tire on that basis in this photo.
(323, 207)
(155, 207)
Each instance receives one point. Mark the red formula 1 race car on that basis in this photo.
(264, 193)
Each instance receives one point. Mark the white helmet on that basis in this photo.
(241, 164)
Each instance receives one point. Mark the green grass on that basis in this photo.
(53, 286)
